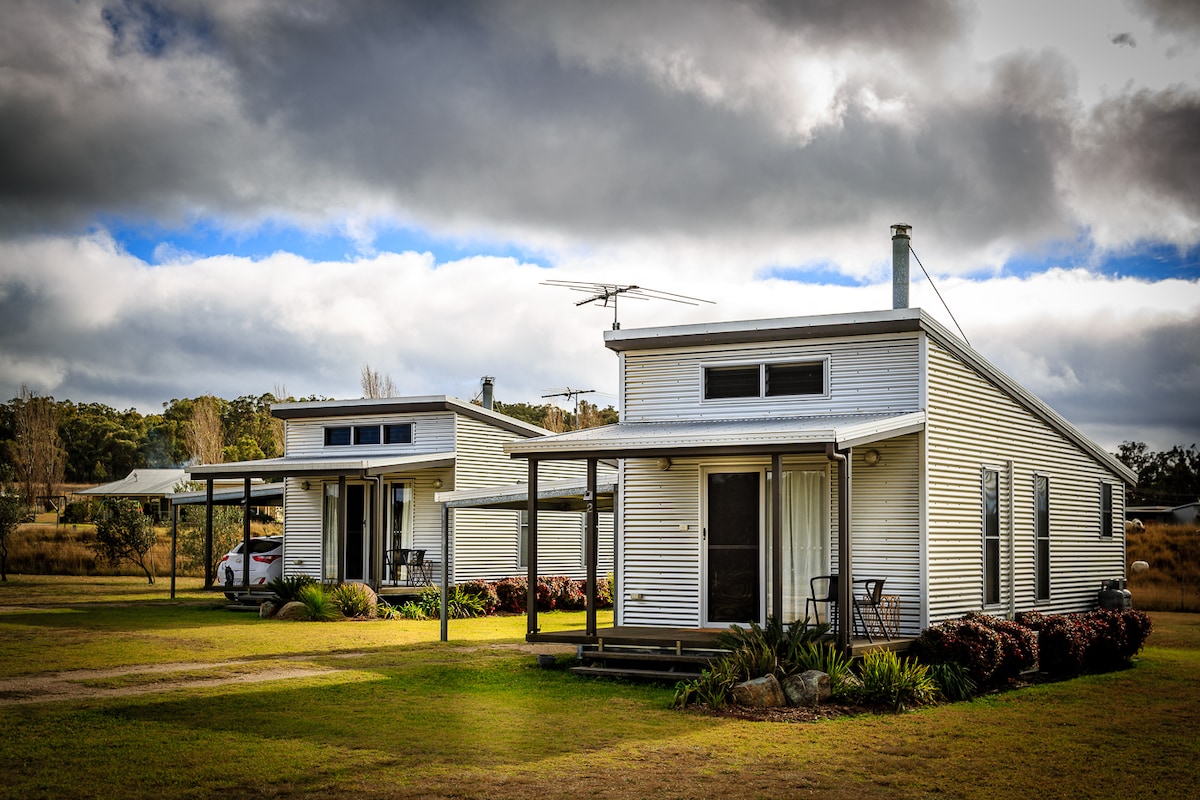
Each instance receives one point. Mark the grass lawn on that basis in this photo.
(109, 690)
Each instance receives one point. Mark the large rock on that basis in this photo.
(807, 689)
(293, 610)
(760, 693)
(267, 609)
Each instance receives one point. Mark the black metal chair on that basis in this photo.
(396, 560)
(418, 573)
(829, 596)
(872, 598)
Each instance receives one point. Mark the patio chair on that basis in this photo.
(395, 560)
(418, 572)
(872, 598)
(828, 594)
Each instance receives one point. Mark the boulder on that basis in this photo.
(760, 693)
(293, 610)
(807, 689)
(267, 609)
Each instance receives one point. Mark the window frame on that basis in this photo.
(763, 366)
(991, 561)
(377, 434)
(1107, 517)
(358, 435)
(332, 429)
(1041, 537)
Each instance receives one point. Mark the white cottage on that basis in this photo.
(360, 479)
(758, 456)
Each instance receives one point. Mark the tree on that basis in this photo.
(227, 533)
(1169, 478)
(10, 518)
(124, 533)
(39, 456)
(375, 385)
(205, 433)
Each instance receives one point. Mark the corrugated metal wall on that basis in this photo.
(432, 433)
(881, 375)
(971, 425)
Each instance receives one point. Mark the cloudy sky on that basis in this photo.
(239, 197)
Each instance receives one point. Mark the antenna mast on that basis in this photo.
(569, 393)
(604, 292)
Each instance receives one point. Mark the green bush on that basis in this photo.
(78, 512)
(824, 657)
(485, 591)
(321, 607)
(287, 589)
(355, 600)
(895, 682)
(953, 681)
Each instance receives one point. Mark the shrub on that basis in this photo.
(486, 592)
(966, 642)
(287, 589)
(387, 611)
(460, 604)
(1018, 647)
(511, 593)
(124, 533)
(321, 607)
(953, 681)
(355, 600)
(1097, 641)
(78, 512)
(896, 683)
(784, 643)
(826, 658)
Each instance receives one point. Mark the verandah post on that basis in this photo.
(531, 626)
(591, 545)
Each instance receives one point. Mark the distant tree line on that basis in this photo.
(1168, 478)
(46, 442)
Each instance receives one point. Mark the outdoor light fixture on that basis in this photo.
(871, 458)
(664, 464)
(437, 483)
(304, 486)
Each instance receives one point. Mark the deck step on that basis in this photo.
(657, 657)
(635, 673)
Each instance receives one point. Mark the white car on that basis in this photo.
(266, 563)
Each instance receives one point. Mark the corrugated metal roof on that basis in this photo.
(552, 495)
(262, 494)
(366, 467)
(649, 438)
(141, 483)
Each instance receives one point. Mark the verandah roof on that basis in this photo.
(772, 434)
(298, 467)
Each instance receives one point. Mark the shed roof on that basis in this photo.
(141, 483)
(262, 494)
(319, 409)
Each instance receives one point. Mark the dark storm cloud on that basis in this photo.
(1113, 377)
(1170, 15)
(444, 111)
(1146, 142)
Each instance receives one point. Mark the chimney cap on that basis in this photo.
(901, 229)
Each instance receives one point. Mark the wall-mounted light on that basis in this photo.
(664, 464)
(437, 483)
(304, 485)
(871, 458)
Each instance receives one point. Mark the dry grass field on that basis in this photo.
(1172, 583)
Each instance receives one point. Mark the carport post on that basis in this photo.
(174, 540)
(531, 626)
(776, 501)
(208, 554)
(591, 546)
(444, 611)
(246, 537)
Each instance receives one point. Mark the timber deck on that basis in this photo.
(681, 640)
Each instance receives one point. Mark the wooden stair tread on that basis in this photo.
(630, 672)
(623, 655)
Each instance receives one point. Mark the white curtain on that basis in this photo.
(804, 537)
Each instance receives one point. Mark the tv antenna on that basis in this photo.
(571, 394)
(604, 292)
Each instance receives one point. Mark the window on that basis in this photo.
(765, 380)
(1106, 509)
(337, 437)
(343, 435)
(523, 539)
(793, 379)
(397, 434)
(366, 434)
(1041, 527)
(720, 382)
(991, 537)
